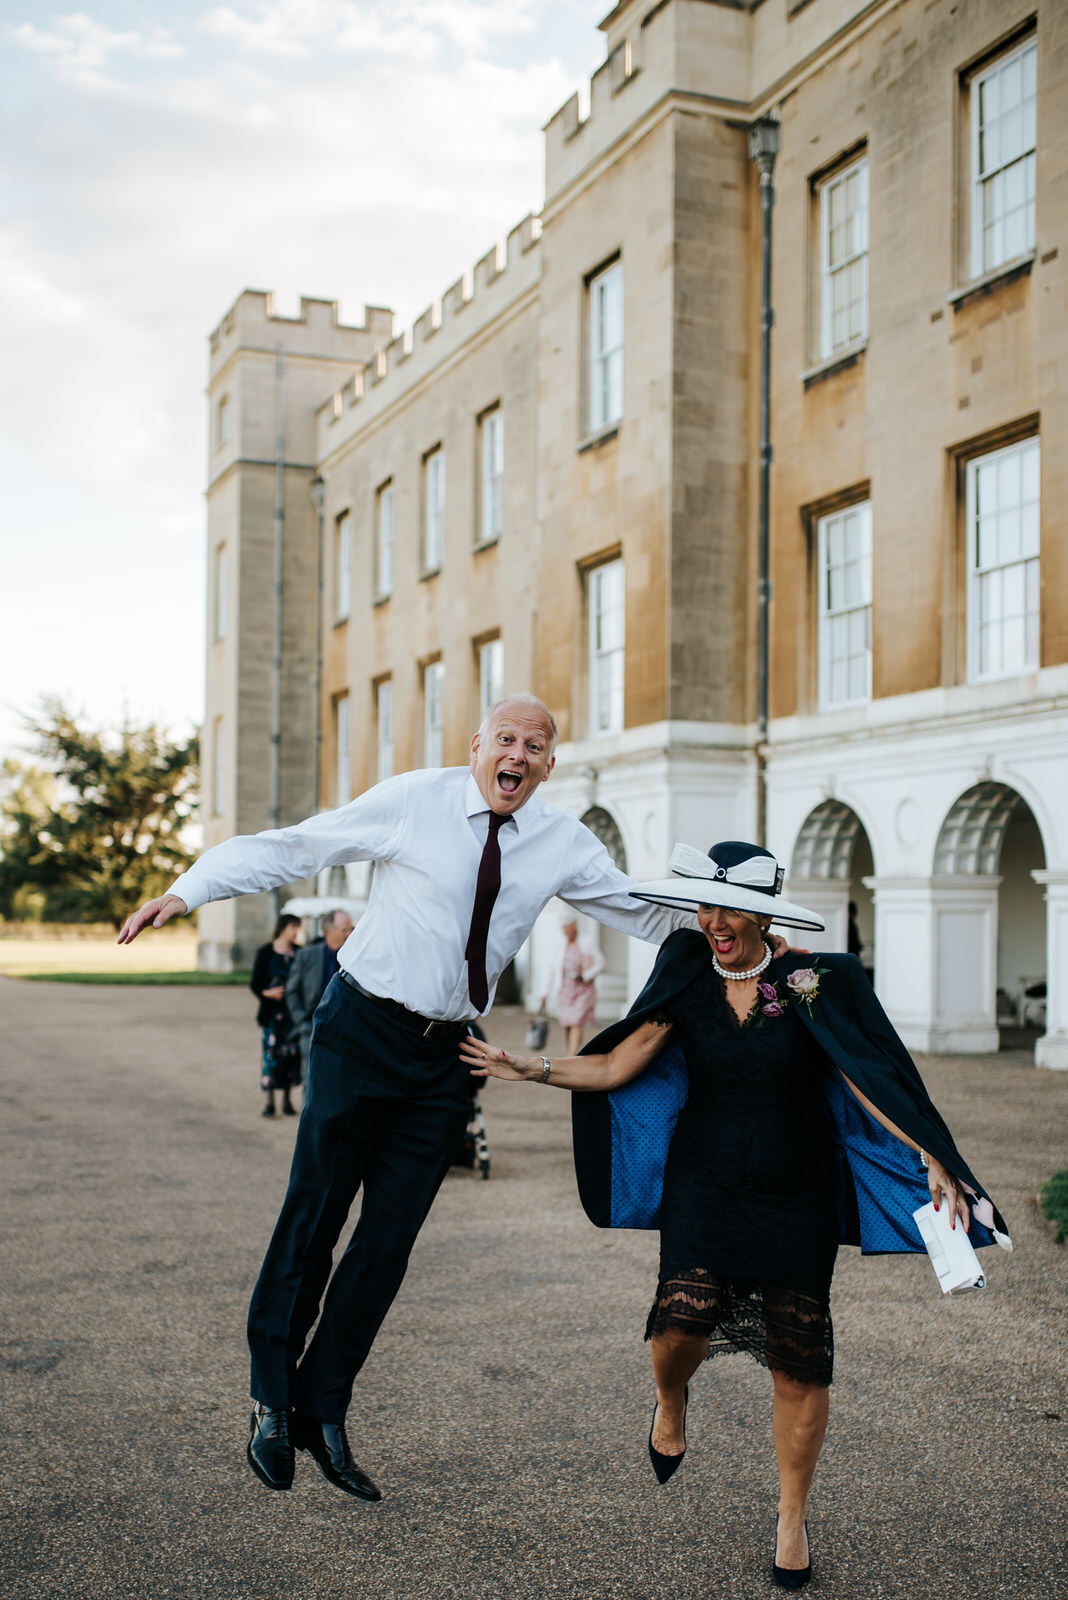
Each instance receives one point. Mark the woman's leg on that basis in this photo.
(799, 1422)
(267, 1068)
(676, 1357)
(574, 1039)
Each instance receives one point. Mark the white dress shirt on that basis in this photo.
(425, 832)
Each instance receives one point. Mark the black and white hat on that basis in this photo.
(737, 876)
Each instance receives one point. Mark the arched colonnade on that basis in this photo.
(978, 944)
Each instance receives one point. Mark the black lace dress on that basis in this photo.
(748, 1225)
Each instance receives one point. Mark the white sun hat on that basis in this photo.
(737, 876)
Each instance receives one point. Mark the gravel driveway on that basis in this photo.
(506, 1404)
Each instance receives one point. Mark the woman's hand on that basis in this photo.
(942, 1184)
(275, 994)
(489, 1061)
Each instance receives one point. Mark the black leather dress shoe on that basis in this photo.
(328, 1447)
(270, 1449)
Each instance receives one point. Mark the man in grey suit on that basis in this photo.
(310, 972)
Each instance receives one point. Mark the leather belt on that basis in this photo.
(429, 1027)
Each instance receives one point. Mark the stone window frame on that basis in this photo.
(975, 574)
(433, 519)
(343, 550)
(432, 674)
(594, 575)
(490, 685)
(993, 64)
(603, 413)
(342, 728)
(385, 721)
(490, 500)
(845, 165)
(220, 593)
(827, 616)
(385, 536)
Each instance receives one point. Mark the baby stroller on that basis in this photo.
(472, 1148)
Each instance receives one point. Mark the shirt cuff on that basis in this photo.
(186, 890)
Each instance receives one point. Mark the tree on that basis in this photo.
(96, 828)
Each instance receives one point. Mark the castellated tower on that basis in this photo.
(268, 374)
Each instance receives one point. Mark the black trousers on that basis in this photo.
(384, 1108)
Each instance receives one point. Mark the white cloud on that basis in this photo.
(149, 176)
(413, 30)
(81, 46)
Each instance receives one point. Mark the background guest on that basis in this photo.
(571, 985)
(280, 1066)
(309, 976)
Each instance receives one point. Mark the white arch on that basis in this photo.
(970, 839)
(824, 845)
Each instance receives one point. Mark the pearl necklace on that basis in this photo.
(738, 977)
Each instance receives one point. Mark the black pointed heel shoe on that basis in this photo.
(791, 1577)
(666, 1466)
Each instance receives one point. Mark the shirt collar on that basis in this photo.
(476, 805)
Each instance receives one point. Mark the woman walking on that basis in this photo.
(572, 985)
(280, 1053)
(758, 1111)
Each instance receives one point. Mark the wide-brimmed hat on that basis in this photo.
(737, 876)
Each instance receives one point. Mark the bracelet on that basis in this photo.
(546, 1068)
(925, 1160)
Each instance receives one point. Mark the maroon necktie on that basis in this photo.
(487, 888)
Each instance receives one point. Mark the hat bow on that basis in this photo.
(758, 872)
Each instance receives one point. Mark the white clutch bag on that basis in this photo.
(952, 1256)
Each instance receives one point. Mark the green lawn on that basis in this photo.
(158, 956)
(1054, 1203)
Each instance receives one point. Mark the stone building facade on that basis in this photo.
(550, 481)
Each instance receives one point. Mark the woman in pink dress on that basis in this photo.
(572, 983)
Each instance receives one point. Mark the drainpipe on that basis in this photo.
(276, 641)
(763, 148)
(318, 494)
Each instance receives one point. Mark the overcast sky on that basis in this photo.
(156, 159)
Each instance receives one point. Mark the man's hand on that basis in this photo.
(780, 948)
(156, 912)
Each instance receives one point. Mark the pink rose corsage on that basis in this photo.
(804, 984)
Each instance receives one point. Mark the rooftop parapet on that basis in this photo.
(699, 47)
(253, 324)
(501, 277)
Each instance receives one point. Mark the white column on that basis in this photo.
(829, 899)
(936, 961)
(1052, 1049)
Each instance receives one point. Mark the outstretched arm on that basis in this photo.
(629, 1058)
(939, 1181)
(364, 830)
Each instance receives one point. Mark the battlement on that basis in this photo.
(317, 332)
(700, 47)
(502, 276)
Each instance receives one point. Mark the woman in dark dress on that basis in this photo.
(280, 1053)
(750, 1211)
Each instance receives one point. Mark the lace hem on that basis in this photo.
(783, 1329)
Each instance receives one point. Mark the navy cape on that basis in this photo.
(621, 1136)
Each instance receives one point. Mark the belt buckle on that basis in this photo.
(428, 1031)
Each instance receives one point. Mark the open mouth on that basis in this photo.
(509, 781)
(724, 943)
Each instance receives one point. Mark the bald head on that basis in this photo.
(513, 752)
(525, 701)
